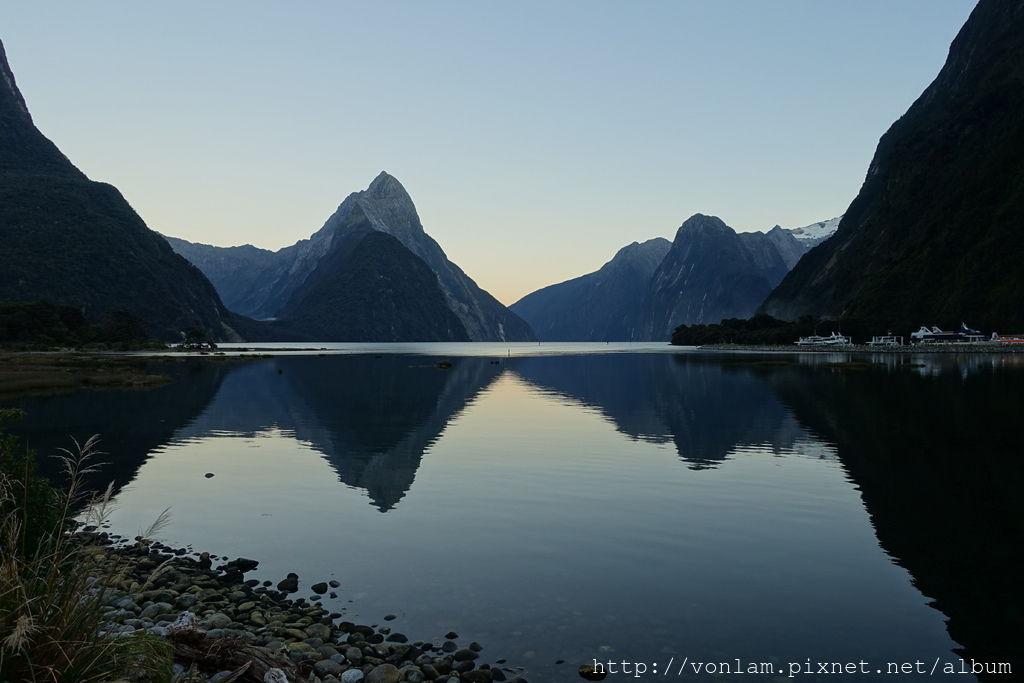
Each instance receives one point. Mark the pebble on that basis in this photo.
(589, 673)
(383, 673)
(289, 584)
(244, 564)
(187, 600)
(156, 609)
(327, 667)
(216, 620)
(321, 631)
(304, 631)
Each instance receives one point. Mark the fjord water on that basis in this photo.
(622, 506)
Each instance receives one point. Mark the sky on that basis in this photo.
(536, 138)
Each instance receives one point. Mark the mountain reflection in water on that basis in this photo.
(931, 444)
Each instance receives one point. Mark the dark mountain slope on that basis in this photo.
(936, 234)
(371, 288)
(711, 273)
(71, 241)
(231, 270)
(261, 284)
(599, 306)
(389, 209)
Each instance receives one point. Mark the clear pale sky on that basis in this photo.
(536, 138)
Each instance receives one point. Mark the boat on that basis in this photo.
(886, 340)
(815, 340)
(1008, 338)
(935, 335)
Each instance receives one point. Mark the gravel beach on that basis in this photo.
(226, 628)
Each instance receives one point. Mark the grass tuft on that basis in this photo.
(52, 591)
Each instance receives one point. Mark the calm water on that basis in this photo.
(636, 506)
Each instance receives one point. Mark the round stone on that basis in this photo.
(383, 673)
(327, 667)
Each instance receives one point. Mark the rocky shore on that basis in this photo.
(225, 628)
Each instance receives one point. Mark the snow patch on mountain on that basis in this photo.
(816, 233)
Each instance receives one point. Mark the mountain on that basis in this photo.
(814, 234)
(935, 235)
(712, 272)
(75, 242)
(600, 306)
(371, 288)
(263, 284)
(806, 237)
(647, 289)
(231, 270)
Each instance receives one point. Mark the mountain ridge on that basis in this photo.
(265, 282)
(933, 235)
(598, 306)
(75, 242)
(711, 273)
(645, 300)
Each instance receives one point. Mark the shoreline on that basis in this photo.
(222, 624)
(863, 348)
(28, 373)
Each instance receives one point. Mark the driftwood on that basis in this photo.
(248, 663)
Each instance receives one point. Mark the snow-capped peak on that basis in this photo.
(816, 233)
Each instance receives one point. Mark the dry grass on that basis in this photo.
(52, 596)
(45, 373)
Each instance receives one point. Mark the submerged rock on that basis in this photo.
(589, 673)
(289, 584)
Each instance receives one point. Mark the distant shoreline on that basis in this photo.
(864, 348)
